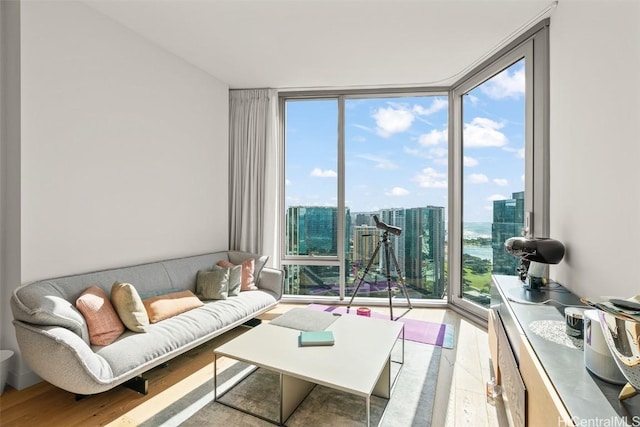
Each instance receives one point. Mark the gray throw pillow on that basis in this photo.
(213, 284)
(235, 277)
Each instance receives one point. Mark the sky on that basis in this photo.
(396, 153)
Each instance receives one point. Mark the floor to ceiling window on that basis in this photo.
(500, 142)
(493, 170)
(453, 171)
(365, 157)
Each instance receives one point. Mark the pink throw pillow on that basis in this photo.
(247, 280)
(102, 320)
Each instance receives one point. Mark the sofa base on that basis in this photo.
(252, 323)
(139, 384)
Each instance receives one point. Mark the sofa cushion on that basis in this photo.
(191, 328)
(102, 320)
(129, 306)
(237, 257)
(235, 277)
(165, 306)
(213, 284)
(247, 275)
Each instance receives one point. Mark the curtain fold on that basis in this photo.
(253, 171)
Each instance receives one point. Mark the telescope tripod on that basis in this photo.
(388, 256)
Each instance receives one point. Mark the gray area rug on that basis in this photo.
(304, 319)
(411, 402)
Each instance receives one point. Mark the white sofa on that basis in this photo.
(54, 340)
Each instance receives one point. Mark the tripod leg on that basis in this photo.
(387, 261)
(400, 278)
(364, 274)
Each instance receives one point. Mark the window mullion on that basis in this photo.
(341, 196)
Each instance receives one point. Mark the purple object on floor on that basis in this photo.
(440, 334)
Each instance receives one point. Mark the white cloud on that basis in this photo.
(287, 182)
(438, 152)
(477, 178)
(495, 197)
(430, 178)
(434, 137)
(359, 138)
(501, 182)
(470, 161)
(381, 162)
(520, 153)
(317, 172)
(437, 105)
(473, 99)
(392, 120)
(397, 191)
(505, 85)
(483, 132)
(362, 127)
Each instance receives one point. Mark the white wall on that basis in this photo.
(595, 145)
(124, 149)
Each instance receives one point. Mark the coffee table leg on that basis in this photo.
(292, 392)
(215, 377)
(383, 386)
(368, 411)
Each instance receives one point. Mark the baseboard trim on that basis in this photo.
(22, 381)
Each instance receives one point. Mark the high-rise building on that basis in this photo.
(312, 230)
(424, 255)
(508, 221)
(365, 241)
(396, 218)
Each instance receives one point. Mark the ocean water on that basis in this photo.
(474, 230)
(484, 252)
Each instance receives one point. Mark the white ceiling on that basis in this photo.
(306, 44)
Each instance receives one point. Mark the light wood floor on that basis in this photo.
(460, 393)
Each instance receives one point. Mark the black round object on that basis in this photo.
(537, 249)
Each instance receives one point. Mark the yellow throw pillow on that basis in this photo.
(102, 320)
(165, 306)
(128, 304)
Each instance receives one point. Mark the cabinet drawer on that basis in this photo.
(493, 343)
(544, 407)
(513, 388)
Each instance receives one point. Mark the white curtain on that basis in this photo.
(253, 172)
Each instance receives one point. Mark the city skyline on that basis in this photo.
(396, 149)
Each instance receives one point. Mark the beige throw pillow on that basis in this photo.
(128, 304)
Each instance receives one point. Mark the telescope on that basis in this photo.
(396, 231)
(540, 249)
(535, 254)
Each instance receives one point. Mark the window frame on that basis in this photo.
(533, 46)
(339, 260)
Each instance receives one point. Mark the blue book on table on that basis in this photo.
(314, 338)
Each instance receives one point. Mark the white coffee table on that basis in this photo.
(276, 348)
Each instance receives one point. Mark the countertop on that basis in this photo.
(540, 316)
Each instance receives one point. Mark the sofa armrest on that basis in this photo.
(272, 279)
(62, 358)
